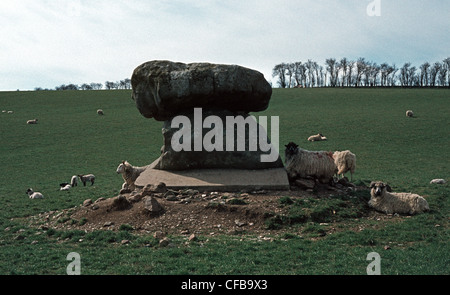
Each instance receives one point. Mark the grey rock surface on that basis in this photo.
(162, 89)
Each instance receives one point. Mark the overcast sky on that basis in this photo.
(49, 43)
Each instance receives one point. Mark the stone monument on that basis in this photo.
(210, 140)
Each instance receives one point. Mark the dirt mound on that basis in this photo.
(180, 212)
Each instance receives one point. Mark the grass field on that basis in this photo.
(71, 138)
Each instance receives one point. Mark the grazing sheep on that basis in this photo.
(34, 195)
(129, 173)
(32, 121)
(438, 181)
(74, 181)
(387, 202)
(65, 186)
(345, 161)
(10, 112)
(303, 163)
(409, 113)
(87, 177)
(317, 137)
(100, 112)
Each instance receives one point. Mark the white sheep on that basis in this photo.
(303, 163)
(87, 177)
(345, 161)
(34, 195)
(409, 113)
(388, 202)
(74, 181)
(34, 121)
(438, 181)
(100, 112)
(317, 137)
(129, 174)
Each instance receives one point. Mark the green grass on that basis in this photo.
(71, 138)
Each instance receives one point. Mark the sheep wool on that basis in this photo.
(317, 137)
(129, 174)
(303, 163)
(86, 178)
(345, 161)
(390, 203)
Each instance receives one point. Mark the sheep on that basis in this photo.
(34, 121)
(438, 181)
(100, 112)
(389, 203)
(345, 161)
(409, 113)
(65, 186)
(129, 174)
(87, 177)
(74, 181)
(34, 195)
(317, 137)
(303, 163)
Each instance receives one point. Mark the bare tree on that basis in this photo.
(344, 66)
(360, 67)
(446, 63)
(331, 68)
(280, 71)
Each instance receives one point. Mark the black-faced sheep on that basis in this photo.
(409, 113)
(317, 137)
(65, 186)
(388, 202)
(129, 174)
(303, 163)
(345, 161)
(34, 121)
(86, 178)
(34, 195)
(100, 112)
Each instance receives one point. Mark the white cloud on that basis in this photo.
(48, 43)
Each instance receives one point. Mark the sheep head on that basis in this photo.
(291, 149)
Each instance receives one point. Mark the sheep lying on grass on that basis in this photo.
(129, 174)
(34, 195)
(65, 186)
(409, 113)
(387, 202)
(34, 121)
(438, 181)
(303, 163)
(317, 137)
(345, 161)
(86, 178)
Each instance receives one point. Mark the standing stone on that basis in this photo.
(171, 159)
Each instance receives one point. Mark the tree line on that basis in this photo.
(122, 84)
(360, 73)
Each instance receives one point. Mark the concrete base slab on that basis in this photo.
(217, 179)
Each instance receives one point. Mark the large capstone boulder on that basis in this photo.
(164, 89)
